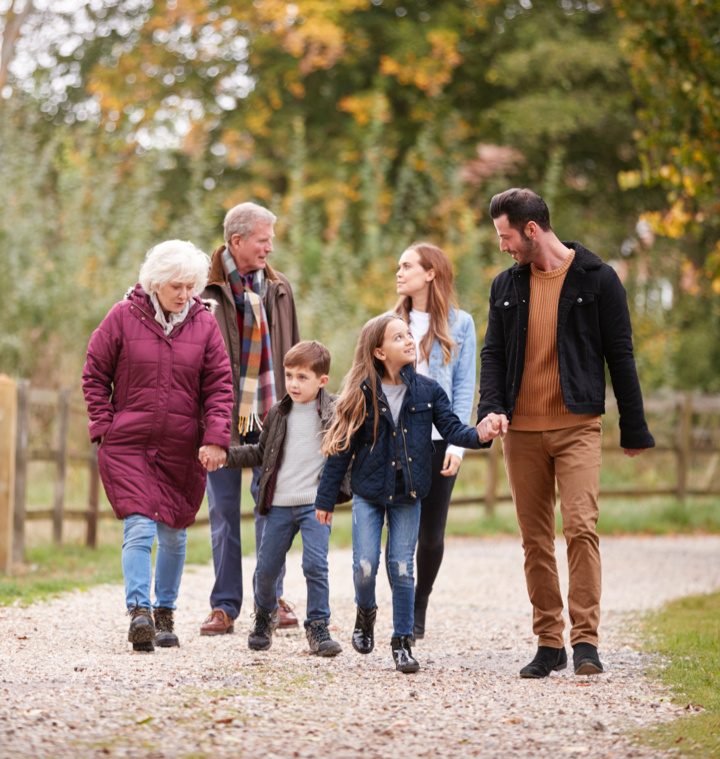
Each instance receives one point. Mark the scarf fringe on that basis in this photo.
(252, 423)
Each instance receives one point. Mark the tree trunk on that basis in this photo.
(13, 23)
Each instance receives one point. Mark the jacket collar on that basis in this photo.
(407, 375)
(324, 404)
(218, 275)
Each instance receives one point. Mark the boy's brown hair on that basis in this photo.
(311, 354)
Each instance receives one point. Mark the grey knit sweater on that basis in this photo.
(302, 463)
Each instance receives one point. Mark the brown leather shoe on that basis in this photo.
(286, 614)
(218, 623)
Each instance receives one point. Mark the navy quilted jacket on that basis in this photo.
(373, 471)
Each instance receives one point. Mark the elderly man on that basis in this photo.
(258, 322)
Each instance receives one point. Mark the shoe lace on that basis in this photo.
(136, 611)
(320, 633)
(283, 604)
(262, 623)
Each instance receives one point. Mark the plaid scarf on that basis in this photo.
(257, 379)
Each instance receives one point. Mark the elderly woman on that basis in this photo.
(158, 387)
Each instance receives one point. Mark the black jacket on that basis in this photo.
(374, 469)
(593, 327)
(268, 452)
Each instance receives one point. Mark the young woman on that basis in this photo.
(446, 344)
(384, 418)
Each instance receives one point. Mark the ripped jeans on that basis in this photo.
(403, 524)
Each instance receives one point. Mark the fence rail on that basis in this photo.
(18, 399)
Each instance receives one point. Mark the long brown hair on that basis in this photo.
(441, 296)
(349, 412)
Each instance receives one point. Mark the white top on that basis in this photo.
(302, 463)
(419, 326)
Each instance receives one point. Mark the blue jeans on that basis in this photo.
(282, 524)
(223, 491)
(138, 538)
(403, 524)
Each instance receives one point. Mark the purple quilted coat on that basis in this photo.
(156, 399)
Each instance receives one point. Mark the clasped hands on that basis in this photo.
(212, 457)
(492, 426)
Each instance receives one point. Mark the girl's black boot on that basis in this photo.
(402, 654)
(421, 605)
(363, 637)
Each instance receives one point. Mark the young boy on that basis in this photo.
(289, 453)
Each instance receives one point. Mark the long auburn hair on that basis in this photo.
(349, 411)
(441, 296)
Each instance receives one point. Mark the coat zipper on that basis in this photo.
(412, 491)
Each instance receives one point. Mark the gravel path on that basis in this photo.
(71, 687)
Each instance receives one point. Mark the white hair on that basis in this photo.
(174, 261)
(241, 220)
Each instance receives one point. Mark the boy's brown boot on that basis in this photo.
(165, 628)
(142, 629)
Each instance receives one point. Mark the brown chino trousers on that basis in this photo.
(533, 461)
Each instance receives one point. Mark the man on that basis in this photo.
(555, 317)
(257, 318)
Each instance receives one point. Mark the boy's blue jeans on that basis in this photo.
(138, 538)
(403, 525)
(282, 524)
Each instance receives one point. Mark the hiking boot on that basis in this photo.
(547, 659)
(286, 615)
(218, 623)
(402, 654)
(419, 621)
(586, 659)
(142, 629)
(266, 622)
(363, 637)
(319, 639)
(164, 628)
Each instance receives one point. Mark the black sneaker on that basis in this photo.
(142, 629)
(402, 654)
(586, 659)
(319, 639)
(547, 660)
(165, 628)
(266, 622)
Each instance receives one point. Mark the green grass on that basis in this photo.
(687, 634)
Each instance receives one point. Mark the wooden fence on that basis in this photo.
(18, 400)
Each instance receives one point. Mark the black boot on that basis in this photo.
(547, 659)
(266, 622)
(363, 637)
(165, 628)
(402, 654)
(419, 623)
(586, 659)
(142, 629)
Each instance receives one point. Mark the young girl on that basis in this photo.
(384, 418)
(445, 339)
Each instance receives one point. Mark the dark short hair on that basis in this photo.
(309, 354)
(520, 206)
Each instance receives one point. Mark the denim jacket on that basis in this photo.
(374, 466)
(457, 377)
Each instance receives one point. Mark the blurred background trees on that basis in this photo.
(364, 125)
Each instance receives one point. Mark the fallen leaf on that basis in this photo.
(224, 721)
(512, 720)
(145, 721)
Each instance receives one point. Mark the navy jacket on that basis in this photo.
(374, 468)
(593, 327)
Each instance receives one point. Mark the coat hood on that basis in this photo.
(138, 295)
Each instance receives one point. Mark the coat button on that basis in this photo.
(507, 303)
(404, 430)
(429, 405)
(384, 409)
(393, 434)
(391, 498)
(156, 513)
(579, 300)
(143, 318)
(392, 463)
(413, 408)
(409, 459)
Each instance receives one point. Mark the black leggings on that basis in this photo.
(433, 518)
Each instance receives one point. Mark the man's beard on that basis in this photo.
(527, 251)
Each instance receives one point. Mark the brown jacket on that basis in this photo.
(268, 452)
(282, 321)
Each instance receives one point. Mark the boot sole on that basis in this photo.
(408, 670)
(360, 651)
(224, 632)
(167, 641)
(147, 647)
(532, 676)
(327, 653)
(588, 668)
(142, 634)
(260, 646)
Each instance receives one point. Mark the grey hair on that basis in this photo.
(241, 220)
(174, 261)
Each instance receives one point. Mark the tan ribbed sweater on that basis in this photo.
(539, 404)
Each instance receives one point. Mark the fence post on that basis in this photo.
(492, 477)
(23, 430)
(63, 419)
(8, 421)
(685, 411)
(93, 499)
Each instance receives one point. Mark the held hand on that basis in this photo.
(324, 517)
(212, 457)
(492, 426)
(633, 451)
(451, 464)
